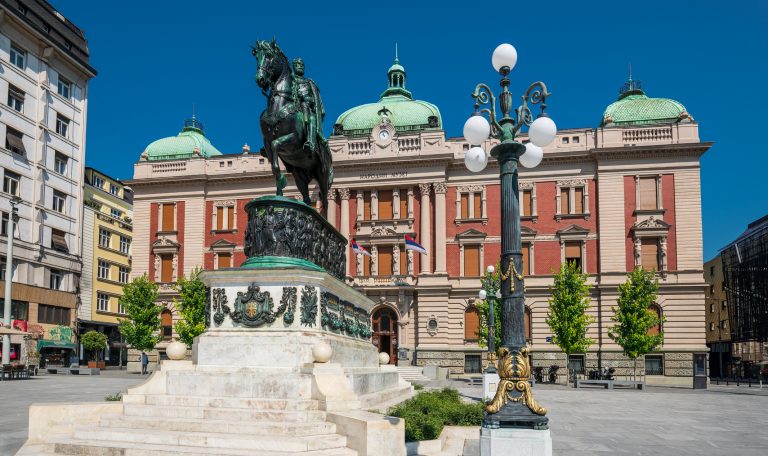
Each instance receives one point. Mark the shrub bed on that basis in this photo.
(427, 413)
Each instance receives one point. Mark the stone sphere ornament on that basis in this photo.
(322, 352)
(476, 130)
(542, 131)
(475, 159)
(532, 156)
(383, 358)
(176, 350)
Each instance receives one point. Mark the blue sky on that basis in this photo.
(158, 59)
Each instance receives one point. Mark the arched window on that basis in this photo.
(528, 318)
(166, 320)
(471, 323)
(656, 310)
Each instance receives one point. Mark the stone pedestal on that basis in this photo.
(490, 383)
(515, 442)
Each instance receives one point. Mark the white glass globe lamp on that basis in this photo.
(482, 295)
(505, 55)
(542, 131)
(475, 159)
(490, 269)
(476, 130)
(532, 156)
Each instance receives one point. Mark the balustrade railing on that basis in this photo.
(647, 135)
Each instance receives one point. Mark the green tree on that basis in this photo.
(94, 342)
(193, 299)
(567, 316)
(142, 327)
(491, 284)
(633, 317)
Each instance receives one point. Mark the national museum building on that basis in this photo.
(611, 198)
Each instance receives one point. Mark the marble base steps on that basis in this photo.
(383, 401)
(412, 373)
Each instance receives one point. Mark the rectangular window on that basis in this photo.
(573, 253)
(14, 141)
(53, 315)
(4, 227)
(385, 260)
(472, 364)
(125, 245)
(723, 324)
(471, 261)
(59, 240)
(116, 213)
(59, 201)
(60, 163)
(3, 267)
(579, 197)
(231, 218)
(62, 125)
(527, 206)
(366, 205)
(712, 326)
(576, 364)
(57, 277)
(168, 217)
(225, 218)
(166, 268)
(367, 262)
(114, 189)
(385, 205)
(102, 302)
(64, 88)
(225, 260)
(104, 269)
(120, 307)
(526, 260)
(15, 98)
(122, 274)
(464, 205)
(19, 309)
(105, 238)
(11, 183)
(403, 203)
(654, 364)
(649, 254)
(477, 205)
(403, 260)
(711, 308)
(565, 140)
(647, 193)
(565, 201)
(18, 56)
(98, 182)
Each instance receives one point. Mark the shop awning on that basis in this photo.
(54, 343)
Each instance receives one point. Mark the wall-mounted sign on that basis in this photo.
(384, 175)
(549, 339)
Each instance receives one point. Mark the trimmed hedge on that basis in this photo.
(427, 413)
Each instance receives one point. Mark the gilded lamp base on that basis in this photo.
(514, 404)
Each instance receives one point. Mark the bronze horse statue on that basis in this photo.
(292, 122)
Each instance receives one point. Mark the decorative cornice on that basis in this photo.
(471, 234)
(381, 231)
(526, 185)
(572, 183)
(651, 223)
(469, 188)
(224, 203)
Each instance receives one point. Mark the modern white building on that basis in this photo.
(44, 73)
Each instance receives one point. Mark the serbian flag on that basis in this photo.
(411, 244)
(357, 249)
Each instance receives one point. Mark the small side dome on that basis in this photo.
(190, 142)
(633, 107)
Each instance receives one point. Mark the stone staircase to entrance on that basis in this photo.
(412, 373)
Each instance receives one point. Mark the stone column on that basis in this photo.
(440, 190)
(344, 219)
(425, 239)
(331, 217)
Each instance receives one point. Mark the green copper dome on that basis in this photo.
(634, 108)
(396, 104)
(190, 142)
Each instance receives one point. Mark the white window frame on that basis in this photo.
(16, 98)
(114, 211)
(120, 307)
(64, 86)
(60, 163)
(659, 204)
(104, 270)
(114, 189)
(471, 190)
(102, 302)
(529, 186)
(62, 125)
(122, 274)
(11, 183)
(572, 185)
(105, 234)
(56, 279)
(59, 202)
(227, 206)
(125, 245)
(98, 182)
(18, 56)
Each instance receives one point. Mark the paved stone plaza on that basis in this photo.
(659, 421)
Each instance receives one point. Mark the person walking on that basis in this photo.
(144, 363)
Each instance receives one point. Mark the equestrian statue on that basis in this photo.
(292, 122)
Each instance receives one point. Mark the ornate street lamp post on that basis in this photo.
(489, 295)
(513, 405)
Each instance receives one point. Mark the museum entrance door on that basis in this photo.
(385, 333)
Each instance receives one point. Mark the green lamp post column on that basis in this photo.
(513, 404)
